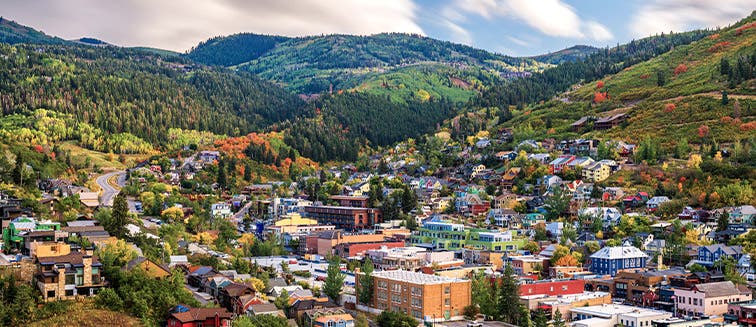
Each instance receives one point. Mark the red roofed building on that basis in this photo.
(553, 287)
(183, 316)
(346, 250)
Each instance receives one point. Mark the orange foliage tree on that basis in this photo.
(681, 68)
(669, 107)
(703, 131)
(600, 85)
(599, 97)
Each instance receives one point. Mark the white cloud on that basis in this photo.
(458, 33)
(596, 31)
(678, 15)
(550, 17)
(181, 24)
(519, 42)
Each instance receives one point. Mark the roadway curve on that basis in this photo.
(108, 190)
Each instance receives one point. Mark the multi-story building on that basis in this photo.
(614, 315)
(326, 242)
(67, 276)
(440, 234)
(13, 235)
(611, 259)
(709, 298)
(284, 206)
(407, 258)
(351, 201)
(743, 313)
(221, 210)
(347, 218)
(422, 296)
(596, 172)
(529, 264)
(709, 254)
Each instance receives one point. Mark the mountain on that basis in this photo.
(577, 52)
(317, 64)
(702, 93)
(14, 33)
(135, 93)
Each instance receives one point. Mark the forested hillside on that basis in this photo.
(573, 53)
(119, 90)
(14, 33)
(318, 63)
(558, 79)
(696, 95)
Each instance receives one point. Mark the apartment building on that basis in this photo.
(710, 298)
(422, 296)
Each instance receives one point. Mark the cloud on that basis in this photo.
(550, 17)
(181, 24)
(678, 15)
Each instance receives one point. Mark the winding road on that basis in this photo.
(109, 190)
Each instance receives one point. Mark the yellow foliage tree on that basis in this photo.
(718, 156)
(172, 214)
(566, 261)
(423, 95)
(205, 238)
(247, 238)
(694, 161)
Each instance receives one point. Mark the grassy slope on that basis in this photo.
(695, 94)
(85, 315)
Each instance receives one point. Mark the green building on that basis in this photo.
(13, 235)
(445, 235)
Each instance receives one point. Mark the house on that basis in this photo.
(184, 316)
(208, 156)
(67, 276)
(266, 309)
(505, 200)
(557, 165)
(543, 158)
(611, 259)
(229, 296)
(742, 215)
(151, 268)
(746, 269)
(505, 218)
(221, 210)
(420, 295)
(709, 299)
(506, 155)
(609, 216)
(709, 254)
(609, 122)
(299, 307)
(596, 172)
(483, 143)
(653, 203)
(508, 179)
(329, 317)
(636, 200)
(178, 260)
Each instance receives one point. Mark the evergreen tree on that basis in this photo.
(247, 172)
(723, 221)
(660, 80)
(221, 175)
(558, 320)
(540, 319)
(282, 301)
(509, 304)
(409, 199)
(725, 100)
(366, 282)
(334, 279)
(119, 217)
(18, 171)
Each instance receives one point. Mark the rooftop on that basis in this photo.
(414, 277)
(619, 252)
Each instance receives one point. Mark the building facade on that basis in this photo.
(422, 296)
(611, 259)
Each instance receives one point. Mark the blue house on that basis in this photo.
(611, 259)
(709, 254)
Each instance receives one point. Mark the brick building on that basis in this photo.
(419, 295)
(553, 287)
(347, 218)
(346, 250)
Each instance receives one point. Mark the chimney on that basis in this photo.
(87, 261)
(60, 292)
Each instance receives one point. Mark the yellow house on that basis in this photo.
(295, 219)
(152, 269)
(596, 172)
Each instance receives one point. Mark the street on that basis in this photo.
(109, 191)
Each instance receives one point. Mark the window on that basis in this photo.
(69, 279)
(396, 288)
(417, 314)
(50, 294)
(69, 292)
(447, 301)
(330, 323)
(417, 291)
(416, 302)
(447, 290)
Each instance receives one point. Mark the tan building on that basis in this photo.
(420, 295)
(48, 249)
(67, 276)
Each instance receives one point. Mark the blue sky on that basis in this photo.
(513, 27)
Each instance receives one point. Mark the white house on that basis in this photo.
(608, 215)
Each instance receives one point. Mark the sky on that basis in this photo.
(512, 27)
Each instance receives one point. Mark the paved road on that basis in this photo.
(239, 215)
(109, 191)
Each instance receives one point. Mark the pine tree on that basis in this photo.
(221, 175)
(509, 304)
(334, 279)
(366, 282)
(540, 319)
(725, 100)
(558, 321)
(120, 216)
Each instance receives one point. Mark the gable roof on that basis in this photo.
(201, 314)
(718, 289)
